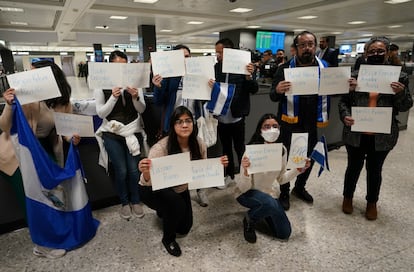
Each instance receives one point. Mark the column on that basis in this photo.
(147, 41)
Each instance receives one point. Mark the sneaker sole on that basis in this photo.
(44, 255)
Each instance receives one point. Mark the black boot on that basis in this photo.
(284, 200)
(249, 232)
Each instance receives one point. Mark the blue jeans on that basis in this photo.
(264, 206)
(125, 169)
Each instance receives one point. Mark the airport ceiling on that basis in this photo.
(70, 25)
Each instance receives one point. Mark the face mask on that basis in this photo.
(376, 59)
(270, 135)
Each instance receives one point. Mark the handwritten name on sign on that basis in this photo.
(200, 66)
(377, 78)
(206, 174)
(68, 124)
(171, 170)
(372, 119)
(304, 80)
(168, 63)
(34, 85)
(235, 61)
(298, 150)
(264, 157)
(334, 80)
(196, 87)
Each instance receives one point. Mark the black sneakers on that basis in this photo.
(173, 248)
(284, 200)
(302, 194)
(249, 233)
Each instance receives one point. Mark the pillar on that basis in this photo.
(147, 41)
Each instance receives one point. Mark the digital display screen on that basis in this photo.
(270, 40)
(345, 49)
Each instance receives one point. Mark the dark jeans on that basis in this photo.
(174, 208)
(374, 162)
(232, 135)
(264, 206)
(125, 169)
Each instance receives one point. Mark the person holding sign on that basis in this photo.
(173, 204)
(121, 138)
(299, 113)
(256, 191)
(368, 146)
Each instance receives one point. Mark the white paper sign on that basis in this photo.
(377, 78)
(334, 80)
(298, 152)
(34, 85)
(201, 66)
(235, 61)
(264, 157)
(372, 119)
(168, 63)
(304, 80)
(104, 75)
(68, 124)
(196, 87)
(206, 174)
(171, 170)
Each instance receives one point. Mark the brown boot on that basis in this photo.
(371, 211)
(347, 205)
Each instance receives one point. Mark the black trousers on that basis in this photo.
(174, 209)
(374, 162)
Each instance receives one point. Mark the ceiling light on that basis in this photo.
(195, 23)
(216, 33)
(241, 10)
(393, 2)
(367, 35)
(254, 26)
(336, 33)
(165, 30)
(146, 1)
(356, 22)
(22, 30)
(116, 17)
(11, 9)
(102, 27)
(299, 30)
(18, 23)
(63, 53)
(394, 26)
(308, 17)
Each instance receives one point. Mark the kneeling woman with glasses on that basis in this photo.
(173, 204)
(256, 191)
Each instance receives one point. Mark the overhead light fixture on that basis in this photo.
(394, 26)
(102, 27)
(299, 30)
(356, 23)
(22, 30)
(336, 33)
(308, 17)
(18, 23)
(63, 53)
(393, 2)
(116, 17)
(195, 23)
(367, 35)
(253, 26)
(216, 33)
(11, 9)
(146, 1)
(166, 30)
(241, 10)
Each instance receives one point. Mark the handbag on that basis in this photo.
(207, 127)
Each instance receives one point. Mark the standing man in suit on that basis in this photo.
(330, 55)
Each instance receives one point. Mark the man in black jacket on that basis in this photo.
(330, 55)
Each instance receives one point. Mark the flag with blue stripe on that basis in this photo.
(221, 97)
(58, 210)
(320, 155)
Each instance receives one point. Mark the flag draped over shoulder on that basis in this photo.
(221, 96)
(320, 155)
(58, 210)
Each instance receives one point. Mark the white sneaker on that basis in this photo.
(50, 253)
(202, 198)
(125, 212)
(137, 210)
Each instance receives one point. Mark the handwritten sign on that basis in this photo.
(68, 124)
(298, 152)
(196, 87)
(109, 75)
(377, 78)
(334, 80)
(304, 80)
(201, 66)
(168, 63)
(34, 85)
(206, 173)
(235, 61)
(171, 170)
(264, 157)
(372, 119)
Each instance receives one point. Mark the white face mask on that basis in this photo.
(270, 135)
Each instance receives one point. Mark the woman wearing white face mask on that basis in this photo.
(256, 191)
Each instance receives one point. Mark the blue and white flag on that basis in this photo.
(320, 155)
(221, 96)
(58, 210)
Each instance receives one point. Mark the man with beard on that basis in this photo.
(299, 114)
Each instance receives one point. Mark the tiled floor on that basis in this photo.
(323, 238)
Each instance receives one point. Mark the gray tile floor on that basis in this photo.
(323, 238)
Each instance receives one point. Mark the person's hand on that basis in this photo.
(211, 83)
(349, 121)
(144, 167)
(283, 87)
(224, 160)
(116, 91)
(307, 165)
(156, 80)
(132, 91)
(352, 84)
(397, 87)
(250, 69)
(76, 139)
(8, 96)
(245, 163)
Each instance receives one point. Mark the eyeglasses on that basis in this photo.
(270, 126)
(376, 52)
(305, 45)
(180, 122)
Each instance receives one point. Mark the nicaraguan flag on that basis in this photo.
(58, 210)
(320, 155)
(221, 96)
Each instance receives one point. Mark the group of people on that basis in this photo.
(122, 140)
